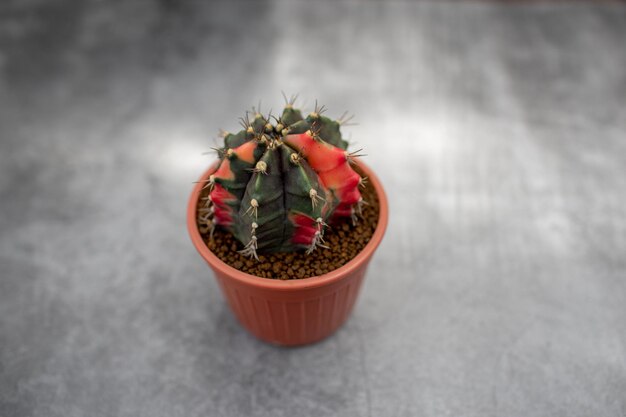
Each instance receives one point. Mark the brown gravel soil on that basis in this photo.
(345, 241)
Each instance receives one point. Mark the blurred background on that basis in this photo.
(498, 129)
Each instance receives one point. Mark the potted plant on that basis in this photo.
(282, 220)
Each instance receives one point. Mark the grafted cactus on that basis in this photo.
(281, 180)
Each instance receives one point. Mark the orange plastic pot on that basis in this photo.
(291, 312)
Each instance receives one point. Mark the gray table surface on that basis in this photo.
(499, 131)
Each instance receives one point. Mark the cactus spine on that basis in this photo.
(281, 180)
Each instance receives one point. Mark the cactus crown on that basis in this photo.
(281, 180)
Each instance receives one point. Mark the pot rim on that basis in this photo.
(290, 284)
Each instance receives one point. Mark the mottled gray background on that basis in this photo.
(499, 130)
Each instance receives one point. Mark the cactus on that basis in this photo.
(281, 180)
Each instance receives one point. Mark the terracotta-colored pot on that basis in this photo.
(291, 312)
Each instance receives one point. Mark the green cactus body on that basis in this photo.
(278, 185)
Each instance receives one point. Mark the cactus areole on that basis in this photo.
(281, 181)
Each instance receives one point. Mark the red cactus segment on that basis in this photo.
(350, 196)
(221, 199)
(333, 167)
(220, 196)
(342, 179)
(343, 210)
(223, 217)
(245, 152)
(304, 229)
(224, 172)
(321, 156)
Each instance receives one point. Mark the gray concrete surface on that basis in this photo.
(498, 129)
